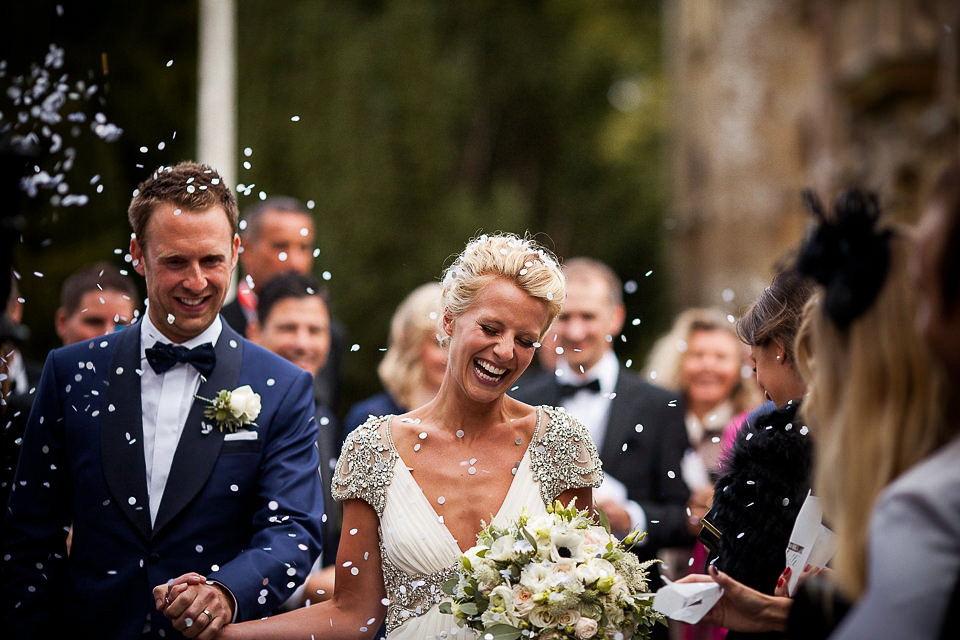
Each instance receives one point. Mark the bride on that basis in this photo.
(416, 487)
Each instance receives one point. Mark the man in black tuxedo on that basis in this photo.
(638, 428)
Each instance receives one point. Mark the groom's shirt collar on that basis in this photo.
(150, 335)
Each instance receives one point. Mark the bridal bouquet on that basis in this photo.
(553, 577)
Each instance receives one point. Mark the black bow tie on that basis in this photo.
(163, 356)
(566, 389)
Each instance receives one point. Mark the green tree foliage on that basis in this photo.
(415, 124)
(420, 123)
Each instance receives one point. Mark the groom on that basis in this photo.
(119, 446)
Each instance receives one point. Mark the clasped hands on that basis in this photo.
(196, 607)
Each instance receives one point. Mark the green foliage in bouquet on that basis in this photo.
(553, 577)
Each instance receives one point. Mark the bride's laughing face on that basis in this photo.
(494, 340)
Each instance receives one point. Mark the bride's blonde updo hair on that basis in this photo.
(522, 261)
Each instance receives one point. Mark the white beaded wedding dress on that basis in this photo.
(418, 553)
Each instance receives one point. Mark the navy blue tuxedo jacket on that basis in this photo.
(244, 512)
(645, 458)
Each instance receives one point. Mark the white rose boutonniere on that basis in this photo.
(232, 410)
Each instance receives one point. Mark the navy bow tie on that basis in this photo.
(163, 356)
(567, 389)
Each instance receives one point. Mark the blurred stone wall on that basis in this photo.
(771, 96)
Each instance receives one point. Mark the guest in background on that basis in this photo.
(17, 384)
(638, 428)
(702, 358)
(293, 322)
(278, 235)
(767, 472)
(413, 367)
(94, 301)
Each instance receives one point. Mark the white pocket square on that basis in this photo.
(240, 435)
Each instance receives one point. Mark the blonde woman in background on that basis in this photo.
(703, 358)
(875, 403)
(413, 367)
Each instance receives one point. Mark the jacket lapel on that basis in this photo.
(197, 452)
(620, 421)
(121, 432)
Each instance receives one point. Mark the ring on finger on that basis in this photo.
(209, 615)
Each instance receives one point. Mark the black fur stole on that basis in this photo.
(756, 501)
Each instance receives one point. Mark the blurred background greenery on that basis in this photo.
(419, 123)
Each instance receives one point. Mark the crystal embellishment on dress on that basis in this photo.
(564, 456)
(365, 467)
(410, 595)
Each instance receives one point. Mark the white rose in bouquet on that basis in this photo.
(537, 578)
(569, 617)
(586, 628)
(502, 549)
(522, 600)
(543, 618)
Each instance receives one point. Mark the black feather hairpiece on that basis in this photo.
(848, 253)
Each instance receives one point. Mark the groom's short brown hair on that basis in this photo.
(189, 185)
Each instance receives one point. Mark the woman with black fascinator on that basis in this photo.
(874, 407)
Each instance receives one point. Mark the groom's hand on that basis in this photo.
(195, 607)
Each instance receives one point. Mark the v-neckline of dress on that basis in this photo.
(436, 517)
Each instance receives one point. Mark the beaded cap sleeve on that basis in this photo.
(366, 464)
(564, 456)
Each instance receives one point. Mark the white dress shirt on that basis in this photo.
(593, 410)
(166, 400)
(589, 407)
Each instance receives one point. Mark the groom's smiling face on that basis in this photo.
(187, 264)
